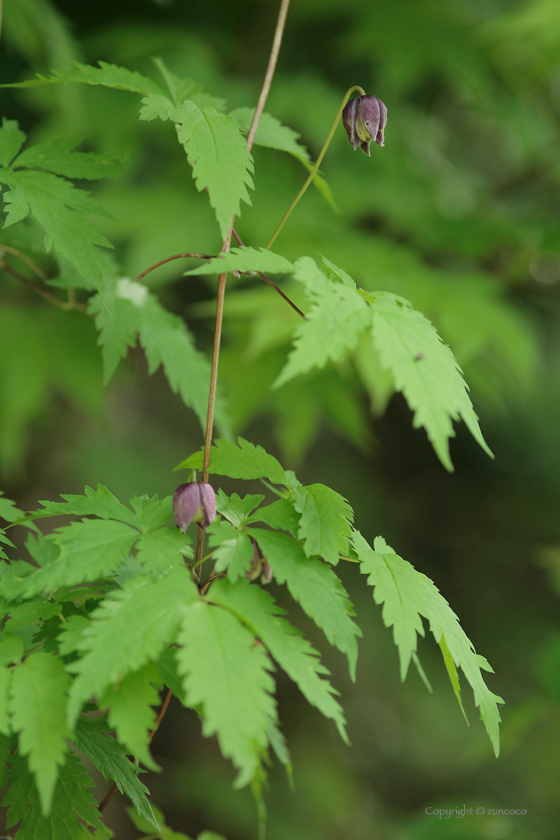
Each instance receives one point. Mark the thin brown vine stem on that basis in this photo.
(270, 283)
(162, 710)
(275, 49)
(274, 52)
(47, 295)
(282, 294)
(174, 257)
(24, 258)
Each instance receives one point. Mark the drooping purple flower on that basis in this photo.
(364, 119)
(194, 502)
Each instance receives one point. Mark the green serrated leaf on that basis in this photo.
(37, 702)
(280, 515)
(53, 202)
(233, 549)
(270, 132)
(71, 634)
(325, 523)
(144, 617)
(100, 502)
(5, 680)
(221, 161)
(8, 509)
(246, 259)
(155, 106)
(316, 588)
(180, 89)
(152, 512)
(107, 75)
(235, 508)
(257, 609)
(161, 550)
(425, 370)
(167, 342)
(11, 141)
(131, 714)
(273, 135)
(110, 759)
(407, 595)
(337, 317)
(224, 671)
(11, 649)
(88, 550)
(244, 460)
(118, 321)
(167, 669)
(72, 805)
(452, 671)
(57, 156)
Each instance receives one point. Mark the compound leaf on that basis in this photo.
(337, 317)
(53, 201)
(37, 703)
(221, 161)
(325, 523)
(425, 370)
(407, 595)
(144, 617)
(315, 587)
(257, 609)
(224, 671)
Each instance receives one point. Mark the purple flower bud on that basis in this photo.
(365, 118)
(194, 502)
(259, 566)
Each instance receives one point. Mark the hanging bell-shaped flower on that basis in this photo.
(194, 502)
(364, 119)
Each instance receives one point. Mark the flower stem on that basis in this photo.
(317, 164)
(275, 49)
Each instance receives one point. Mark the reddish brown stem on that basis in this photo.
(37, 289)
(174, 257)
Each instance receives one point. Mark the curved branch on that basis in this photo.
(174, 257)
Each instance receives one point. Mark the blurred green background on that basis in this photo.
(460, 213)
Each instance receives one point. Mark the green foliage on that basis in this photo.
(38, 694)
(54, 201)
(257, 610)
(72, 804)
(116, 606)
(110, 759)
(316, 588)
(224, 671)
(407, 595)
(128, 311)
